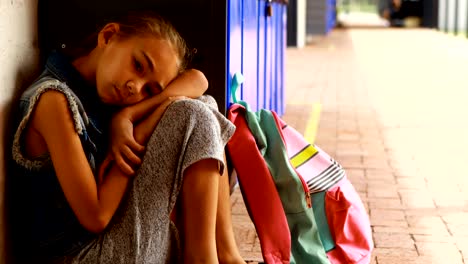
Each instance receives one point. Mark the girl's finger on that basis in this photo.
(116, 149)
(135, 146)
(123, 165)
(130, 155)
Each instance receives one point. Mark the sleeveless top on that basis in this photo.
(47, 223)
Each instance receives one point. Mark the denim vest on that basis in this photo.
(54, 230)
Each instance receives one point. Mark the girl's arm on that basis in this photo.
(191, 83)
(124, 148)
(93, 204)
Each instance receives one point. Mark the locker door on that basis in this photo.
(276, 45)
(250, 53)
(273, 56)
(261, 49)
(268, 60)
(281, 66)
(280, 20)
(234, 44)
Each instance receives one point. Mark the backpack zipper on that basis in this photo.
(306, 190)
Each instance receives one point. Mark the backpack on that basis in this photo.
(294, 192)
(342, 219)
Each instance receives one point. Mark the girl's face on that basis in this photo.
(131, 69)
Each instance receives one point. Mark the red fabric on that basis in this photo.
(259, 191)
(349, 225)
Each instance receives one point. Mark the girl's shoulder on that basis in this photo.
(28, 102)
(44, 83)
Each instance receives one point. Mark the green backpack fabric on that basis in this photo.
(306, 246)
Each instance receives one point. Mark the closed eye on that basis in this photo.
(138, 66)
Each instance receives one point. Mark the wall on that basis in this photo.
(316, 17)
(18, 64)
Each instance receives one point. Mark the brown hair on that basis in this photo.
(139, 23)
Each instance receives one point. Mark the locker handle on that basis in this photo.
(236, 82)
(268, 8)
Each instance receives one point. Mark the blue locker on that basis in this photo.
(234, 43)
(268, 49)
(278, 44)
(331, 15)
(261, 64)
(280, 53)
(262, 51)
(250, 52)
(284, 43)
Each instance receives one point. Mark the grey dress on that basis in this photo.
(141, 230)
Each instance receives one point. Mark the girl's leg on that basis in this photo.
(188, 138)
(199, 202)
(228, 251)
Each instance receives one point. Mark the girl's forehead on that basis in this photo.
(159, 56)
(155, 45)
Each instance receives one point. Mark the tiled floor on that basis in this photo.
(394, 114)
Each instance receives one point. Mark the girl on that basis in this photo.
(123, 215)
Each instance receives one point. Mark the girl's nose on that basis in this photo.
(134, 87)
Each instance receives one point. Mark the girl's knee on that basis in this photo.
(190, 106)
(191, 110)
(185, 117)
(209, 101)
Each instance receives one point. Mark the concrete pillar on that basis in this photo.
(297, 21)
(301, 22)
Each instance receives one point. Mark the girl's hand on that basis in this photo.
(124, 138)
(124, 149)
(146, 127)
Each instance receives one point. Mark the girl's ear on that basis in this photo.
(107, 33)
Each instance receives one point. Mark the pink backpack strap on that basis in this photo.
(259, 191)
(318, 170)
